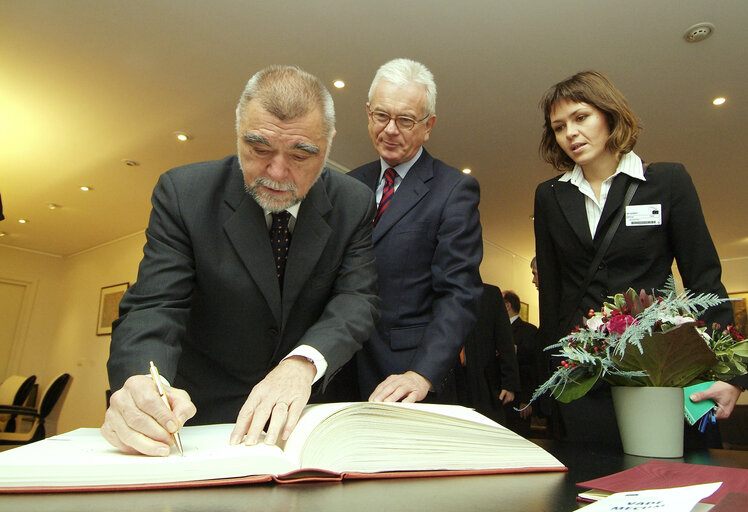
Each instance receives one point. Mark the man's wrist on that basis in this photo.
(314, 356)
(307, 361)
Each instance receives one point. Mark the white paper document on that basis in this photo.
(677, 499)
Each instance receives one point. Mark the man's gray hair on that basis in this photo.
(288, 92)
(403, 72)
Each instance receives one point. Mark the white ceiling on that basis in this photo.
(86, 84)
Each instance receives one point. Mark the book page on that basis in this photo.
(373, 437)
(84, 457)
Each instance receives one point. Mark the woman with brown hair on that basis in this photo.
(643, 216)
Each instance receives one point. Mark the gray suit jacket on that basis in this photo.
(207, 307)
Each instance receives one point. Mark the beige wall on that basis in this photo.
(61, 335)
(509, 271)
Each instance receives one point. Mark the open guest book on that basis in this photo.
(331, 442)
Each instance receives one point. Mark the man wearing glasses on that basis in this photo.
(427, 241)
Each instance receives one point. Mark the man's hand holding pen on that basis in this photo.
(138, 421)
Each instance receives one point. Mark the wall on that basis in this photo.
(62, 326)
(43, 276)
(509, 271)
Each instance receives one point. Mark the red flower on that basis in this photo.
(736, 335)
(619, 323)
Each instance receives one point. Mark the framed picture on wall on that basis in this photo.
(738, 307)
(109, 298)
(524, 311)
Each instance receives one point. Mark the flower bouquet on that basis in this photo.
(642, 340)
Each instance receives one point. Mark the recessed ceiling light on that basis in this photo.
(339, 84)
(2, 234)
(130, 163)
(53, 206)
(466, 171)
(182, 136)
(22, 221)
(85, 188)
(719, 101)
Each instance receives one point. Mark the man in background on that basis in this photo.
(490, 377)
(529, 363)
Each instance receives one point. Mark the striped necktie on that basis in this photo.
(387, 192)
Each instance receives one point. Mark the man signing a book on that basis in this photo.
(257, 281)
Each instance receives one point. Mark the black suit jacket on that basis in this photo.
(485, 373)
(639, 257)
(428, 249)
(528, 358)
(207, 307)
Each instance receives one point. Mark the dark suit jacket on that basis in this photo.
(528, 358)
(207, 307)
(639, 257)
(428, 249)
(485, 373)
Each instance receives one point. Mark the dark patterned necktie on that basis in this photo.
(280, 240)
(387, 192)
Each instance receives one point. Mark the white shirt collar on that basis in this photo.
(401, 169)
(293, 210)
(629, 164)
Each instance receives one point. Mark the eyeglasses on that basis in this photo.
(404, 123)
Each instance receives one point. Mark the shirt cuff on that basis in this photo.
(314, 356)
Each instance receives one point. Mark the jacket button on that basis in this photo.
(273, 332)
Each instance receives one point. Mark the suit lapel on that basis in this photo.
(370, 175)
(410, 192)
(571, 203)
(248, 233)
(310, 236)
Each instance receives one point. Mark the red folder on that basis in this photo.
(660, 474)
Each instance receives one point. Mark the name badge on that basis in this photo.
(644, 215)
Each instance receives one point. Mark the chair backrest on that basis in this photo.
(24, 390)
(15, 389)
(51, 403)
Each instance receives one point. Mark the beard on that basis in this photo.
(268, 201)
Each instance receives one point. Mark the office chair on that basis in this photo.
(35, 424)
(14, 391)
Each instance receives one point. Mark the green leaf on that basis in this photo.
(740, 349)
(577, 386)
(671, 359)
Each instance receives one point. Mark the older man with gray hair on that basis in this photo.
(427, 240)
(257, 280)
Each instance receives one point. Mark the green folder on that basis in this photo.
(695, 410)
